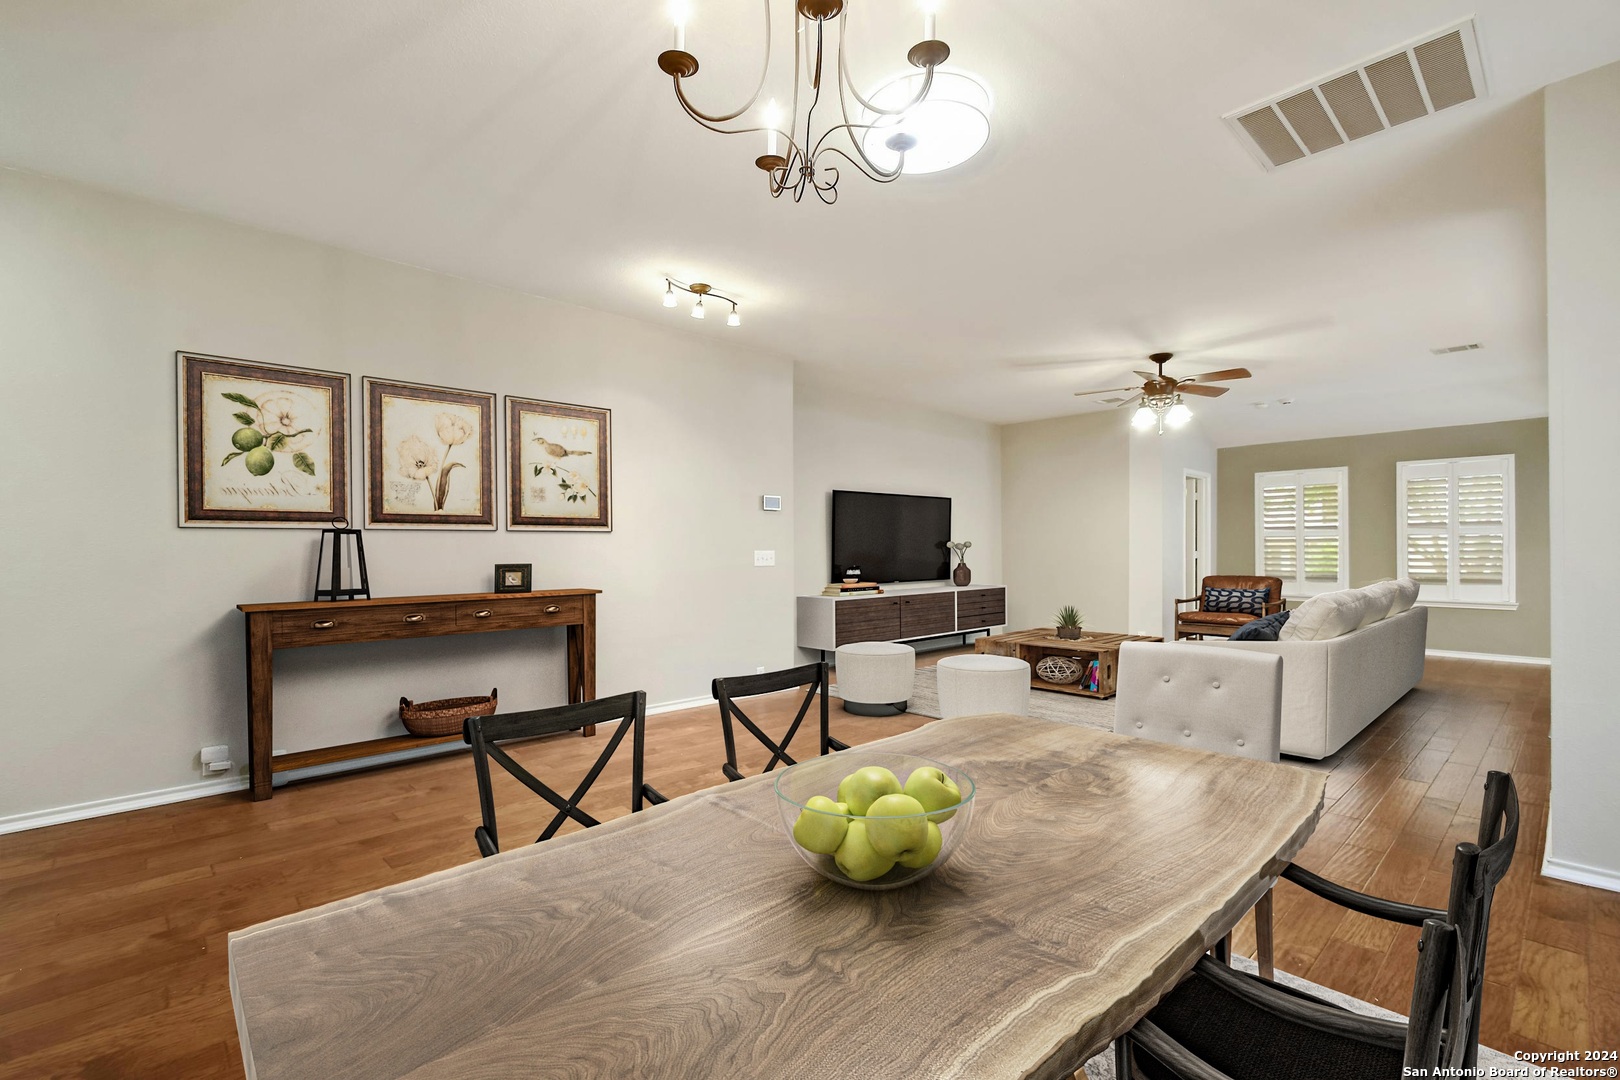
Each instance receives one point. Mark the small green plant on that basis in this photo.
(1069, 617)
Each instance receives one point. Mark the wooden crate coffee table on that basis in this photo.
(1031, 645)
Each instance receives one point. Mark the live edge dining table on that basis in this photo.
(688, 941)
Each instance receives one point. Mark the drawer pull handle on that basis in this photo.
(416, 618)
(552, 609)
(324, 624)
(484, 614)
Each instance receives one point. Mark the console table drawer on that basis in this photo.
(363, 624)
(519, 613)
(877, 619)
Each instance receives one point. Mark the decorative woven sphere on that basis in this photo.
(1059, 670)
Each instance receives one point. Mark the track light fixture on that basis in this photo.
(702, 291)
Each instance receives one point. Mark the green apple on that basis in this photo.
(863, 787)
(819, 828)
(934, 790)
(856, 858)
(894, 824)
(920, 857)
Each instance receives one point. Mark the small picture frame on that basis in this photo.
(514, 577)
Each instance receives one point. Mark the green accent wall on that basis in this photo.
(1371, 460)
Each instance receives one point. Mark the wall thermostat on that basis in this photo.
(770, 502)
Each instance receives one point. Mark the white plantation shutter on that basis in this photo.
(1455, 526)
(1301, 522)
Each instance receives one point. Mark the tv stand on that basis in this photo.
(904, 614)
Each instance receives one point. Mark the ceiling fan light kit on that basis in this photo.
(1158, 399)
(702, 291)
(922, 121)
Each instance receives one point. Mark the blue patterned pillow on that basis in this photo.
(1266, 629)
(1239, 601)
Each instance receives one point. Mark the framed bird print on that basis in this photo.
(559, 469)
(430, 456)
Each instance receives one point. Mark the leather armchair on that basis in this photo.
(1199, 623)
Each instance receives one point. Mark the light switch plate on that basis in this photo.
(764, 558)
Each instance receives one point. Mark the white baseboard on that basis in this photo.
(677, 706)
(1495, 658)
(1580, 874)
(39, 819)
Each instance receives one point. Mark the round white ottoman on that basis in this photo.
(875, 677)
(980, 683)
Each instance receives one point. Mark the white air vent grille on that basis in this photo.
(1445, 350)
(1434, 72)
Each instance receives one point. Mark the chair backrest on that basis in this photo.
(1239, 581)
(485, 734)
(1226, 700)
(813, 677)
(1446, 995)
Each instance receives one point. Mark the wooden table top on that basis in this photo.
(387, 601)
(1089, 640)
(689, 941)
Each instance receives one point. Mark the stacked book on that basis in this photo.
(852, 588)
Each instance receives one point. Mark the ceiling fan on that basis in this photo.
(1159, 396)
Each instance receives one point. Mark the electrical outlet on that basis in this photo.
(764, 558)
(210, 754)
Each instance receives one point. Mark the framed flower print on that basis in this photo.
(430, 456)
(261, 445)
(559, 468)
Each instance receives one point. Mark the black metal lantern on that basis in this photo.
(336, 591)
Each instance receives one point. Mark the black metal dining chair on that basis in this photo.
(485, 734)
(1222, 1024)
(813, 677)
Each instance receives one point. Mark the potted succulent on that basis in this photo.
(1068, 622)
(961, 575)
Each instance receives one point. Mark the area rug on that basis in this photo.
(1046, 704)
(1101, 1067)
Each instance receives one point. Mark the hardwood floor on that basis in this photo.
(112, 938)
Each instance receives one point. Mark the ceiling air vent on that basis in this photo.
(1434, 72)
(1446, 350)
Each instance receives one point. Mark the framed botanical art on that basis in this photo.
(261, 445)
(430, 456)
(559, 468)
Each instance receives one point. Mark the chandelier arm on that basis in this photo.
(879, 176)
(764, 69)
(866, 165)
(703, 122)
(845, 81)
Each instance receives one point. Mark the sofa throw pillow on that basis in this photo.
(1325, 616)
(1265, 629)
(1405, 598)
(1238, 601)
(1380, 597)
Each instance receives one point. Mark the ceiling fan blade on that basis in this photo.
(1129, 401)
(1201, 391)
(1110, 390)
(1146, 374)
(1222, 376)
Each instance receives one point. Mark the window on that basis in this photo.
(1301, 529)
(1454, 530)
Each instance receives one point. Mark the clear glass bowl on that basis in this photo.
(797, 784)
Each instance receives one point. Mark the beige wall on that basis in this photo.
(1065, 508)
(122, 652)
(1583, 324)
(852, 443)
(1371, 460)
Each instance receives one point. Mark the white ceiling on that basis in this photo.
(534, 144)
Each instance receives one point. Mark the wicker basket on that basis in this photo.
(1058, 670)
(443, 717)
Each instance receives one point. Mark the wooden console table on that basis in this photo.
(296, 625)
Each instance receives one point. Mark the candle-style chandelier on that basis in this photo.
(875, 141)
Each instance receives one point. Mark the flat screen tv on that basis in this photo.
(891, 537)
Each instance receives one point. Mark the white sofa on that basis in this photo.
(1334, 688)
